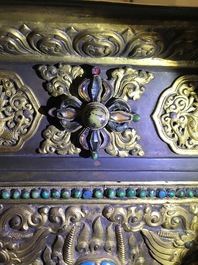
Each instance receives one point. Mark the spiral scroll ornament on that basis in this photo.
(19, 115)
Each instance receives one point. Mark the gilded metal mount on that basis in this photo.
(99, 115)
(19, 112)
(176, 115)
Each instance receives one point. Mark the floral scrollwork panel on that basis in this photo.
(94, 111)
(127, 41)
(19, 115)
(176, 115)
(89, 234)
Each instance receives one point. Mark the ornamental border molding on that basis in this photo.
(37, 234)
(169, 45)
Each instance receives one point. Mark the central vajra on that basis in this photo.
(99, 114)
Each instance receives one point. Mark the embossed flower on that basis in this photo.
(95, 114)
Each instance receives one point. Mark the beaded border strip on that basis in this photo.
(97, 193)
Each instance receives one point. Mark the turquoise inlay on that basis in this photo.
(25, 194)
(55, 194)
(181, 193)
(130, 193)
(15, 194)
(35, 194)
(65, 194)
(98, 193)
(142, 193)
(190, 193)
(171, 193)
(94, 155)
(152, 193)
(111, 193)
(189, 244)
(5, 194)
(106, 262)
(77, 194)
(136, 117)
(121, 193)
(45, 194)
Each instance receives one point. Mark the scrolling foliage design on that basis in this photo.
(176, 115)
(93, 110)
(74, 235)
(169, 42)
(19, 116)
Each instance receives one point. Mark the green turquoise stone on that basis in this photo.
(152, 193)
(130, 193)
(25, 194)
(142, 193)
(77, 193)
(111, 193)
(45, 194)
(171, 193)
(189, 245)
(121, 193)
(15, 194)
(190, 193)
(65, 194)
(136, 117)
(181, 193)
(98, 193)
(35, 194)
(94, 155)
(55, 194)
(5, 194)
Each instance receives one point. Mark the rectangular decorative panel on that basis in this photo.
(98, 134)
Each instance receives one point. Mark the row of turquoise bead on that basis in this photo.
(99, 193)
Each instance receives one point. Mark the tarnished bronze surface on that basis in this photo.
(81, 182)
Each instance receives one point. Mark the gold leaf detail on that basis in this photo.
(130, 83)
(68, 249)
(60, 78)
(110, 241)
(121, 244)
(125, 143)
(176, 115)
(98, 236)
(83, 239)
(19, 115)
(162, 250)
(57, 141)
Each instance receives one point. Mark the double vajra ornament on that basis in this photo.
(96, 114)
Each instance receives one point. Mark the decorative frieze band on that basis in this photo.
(172, 45)
(36, 234)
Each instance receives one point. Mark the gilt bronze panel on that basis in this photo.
(98, 133)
